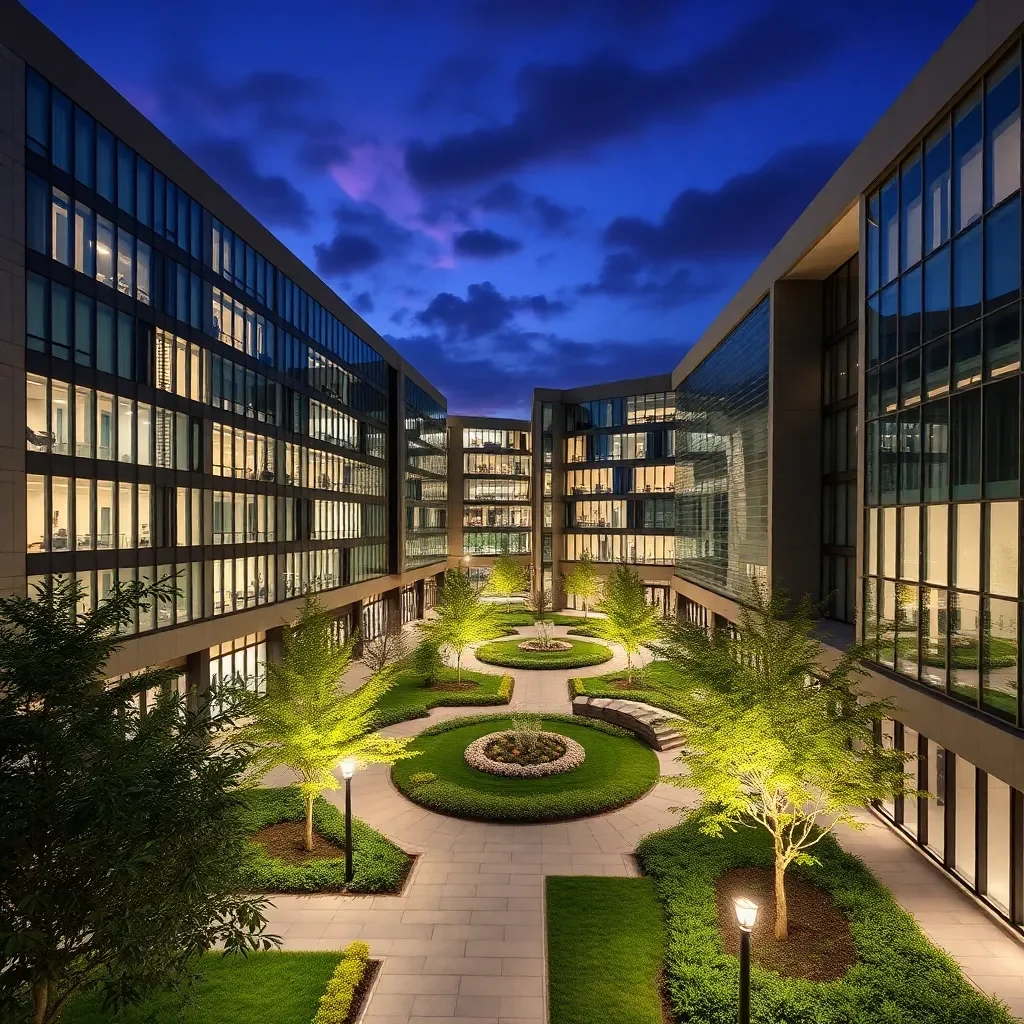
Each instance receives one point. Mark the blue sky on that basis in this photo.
(519, 193)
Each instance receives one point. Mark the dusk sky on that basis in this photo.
(518, 193)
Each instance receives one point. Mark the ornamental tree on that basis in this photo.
(461, 618)
(628, 619)
(507, 577)
(306, 721)
(122, 845)
(582, 581)
(778, 737)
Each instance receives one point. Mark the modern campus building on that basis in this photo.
(490, 511)
(849, 428)
(184, 397)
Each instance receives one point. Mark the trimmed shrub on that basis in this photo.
(508, 654)
(899, 976)
(377, 864)
(577, 688)
(336, 1002)
(617, 770)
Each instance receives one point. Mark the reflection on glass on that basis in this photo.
(1001, 544)
(967, 521)
(937, 189)
(1002, 129)
(933, 637)
(1002, 341)
(906, 629)
(964, 620)
(910, 542)
(999, 658)
(998, 845)
(966, 826)
(887, 624)
(967, 161)
(936, 536)
(936, 787)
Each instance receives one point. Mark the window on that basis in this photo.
(937, 185)
(1002, 256)
(967, 181)
(963, 854)
(1002, 125)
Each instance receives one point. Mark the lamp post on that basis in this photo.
(746, 915)
(348, 769)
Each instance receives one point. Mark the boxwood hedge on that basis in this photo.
(509, 654)
(377, 864)
(899, 976)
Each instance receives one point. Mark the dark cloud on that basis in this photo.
(455, 85)
(485, 244)
(271, 197)
(624, 276)
(531, 15)
(484, 311)
(567, 110)
(497, 376)
(545, 213)
(746, 216)
(346, 254)
(363, 302)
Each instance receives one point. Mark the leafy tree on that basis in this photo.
(388, 650)
(507, 577)
(582, 581)
(306, 721)
(628, 619)
(461, 618)
(779, 739)
(540, 602)
(122, 845)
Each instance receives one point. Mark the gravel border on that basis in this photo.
(553, 645)
(572, 758)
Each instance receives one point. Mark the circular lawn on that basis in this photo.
(510, 654)
(617, 769)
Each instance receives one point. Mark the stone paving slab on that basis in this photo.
(465, 943)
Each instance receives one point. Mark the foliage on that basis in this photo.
(770, 749)
(413, 694)
(418, 778)
(462, 618)
(582, 581)
(526, 617)
(582, 631)
(606, 943)
(386, 651)
(336, 1002)
(628, 619)
(121, 848)
(272, 988)
(426, 660)
(508, 577)
(377, 864)
(657, 683)
(617, 770)
(540, 602)
(509, 654)
(306, 721)
(899, 975)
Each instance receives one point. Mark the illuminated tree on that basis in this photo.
(508, 577)
(461, 618)
(629, 620)
(582, 581)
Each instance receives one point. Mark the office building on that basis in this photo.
(849, 427)
(604, 482)
(490, 509)
(185, 398)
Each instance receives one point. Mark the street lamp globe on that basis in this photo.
(746, 913)
(348, 767)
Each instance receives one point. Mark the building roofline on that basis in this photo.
(973, 44)
(488, 422)
(47, 53)
(606, 389)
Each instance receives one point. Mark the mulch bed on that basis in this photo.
(287, 841)
(362, 991)
(819, 947)
(451, 686)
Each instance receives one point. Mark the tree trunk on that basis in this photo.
(781, 911)
(629, 668)
(586, 609)
(458, 667)
(309, 824)
(40, 1000)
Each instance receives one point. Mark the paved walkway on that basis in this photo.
(465, 942)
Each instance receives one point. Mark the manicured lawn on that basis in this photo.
(509, 654)
(606, 944)
(617, 770)
(272, 988)
(412, 696)
(654, 686)
(898, 976)
(524, 617)
(377, 864)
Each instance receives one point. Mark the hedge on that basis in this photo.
(378, 866)
(899, 976)
(508, 654)
(336, 1002)
(617, 770)
(654, 684)
(411, 697)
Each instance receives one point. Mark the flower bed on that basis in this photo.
(497, 753)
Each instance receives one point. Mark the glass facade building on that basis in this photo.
(721, 464)
(426, 478)
(497, 511)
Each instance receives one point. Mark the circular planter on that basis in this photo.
(476, 757)
(617, 770)
(549, 648)
(515, 654)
